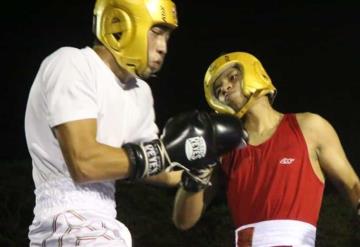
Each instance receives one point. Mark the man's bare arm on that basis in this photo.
(333, 160)
(87, 159)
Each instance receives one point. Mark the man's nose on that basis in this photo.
(162, 46)
(226, 86)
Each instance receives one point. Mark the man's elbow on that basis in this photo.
(183, 225)
(80, 178)
(80, 170)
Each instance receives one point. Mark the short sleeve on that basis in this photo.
(70, 91)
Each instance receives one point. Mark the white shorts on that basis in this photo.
(271, 233)
(79, 228)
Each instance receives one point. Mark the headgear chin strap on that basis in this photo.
(255, 84)
(122, 27)
(247, 105)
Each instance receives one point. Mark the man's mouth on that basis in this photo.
(155, 65)
(228, 96)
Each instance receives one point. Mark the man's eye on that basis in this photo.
(233, 77)
(157, 31)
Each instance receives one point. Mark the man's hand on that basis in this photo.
(189, 141)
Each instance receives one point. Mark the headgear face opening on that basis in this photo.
(122, 27)
(255, 82)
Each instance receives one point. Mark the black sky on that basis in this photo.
(309, 49)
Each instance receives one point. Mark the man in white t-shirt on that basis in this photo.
(84, 108)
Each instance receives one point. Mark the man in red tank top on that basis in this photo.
(274, 185)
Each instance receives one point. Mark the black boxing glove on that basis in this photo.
(191, 140)
(146, 159)
(194, 140)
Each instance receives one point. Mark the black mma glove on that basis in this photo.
(190, 141)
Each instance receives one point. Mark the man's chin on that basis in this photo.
(146, 74)
(151, 73)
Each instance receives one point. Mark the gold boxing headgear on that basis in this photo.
(122, 27)
(255, 82)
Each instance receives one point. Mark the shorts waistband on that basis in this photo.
(55, 196)
(276, 233)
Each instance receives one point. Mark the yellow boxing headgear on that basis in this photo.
(255, 83)
(122, 27)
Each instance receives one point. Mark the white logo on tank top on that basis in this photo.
(287, 161)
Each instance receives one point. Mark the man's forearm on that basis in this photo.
(188, 208)
(98, 162)
(171, 179)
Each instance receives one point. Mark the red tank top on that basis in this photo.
(274, 180)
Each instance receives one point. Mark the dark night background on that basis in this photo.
(310, 49)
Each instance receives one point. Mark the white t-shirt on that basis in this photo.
(74, 84)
